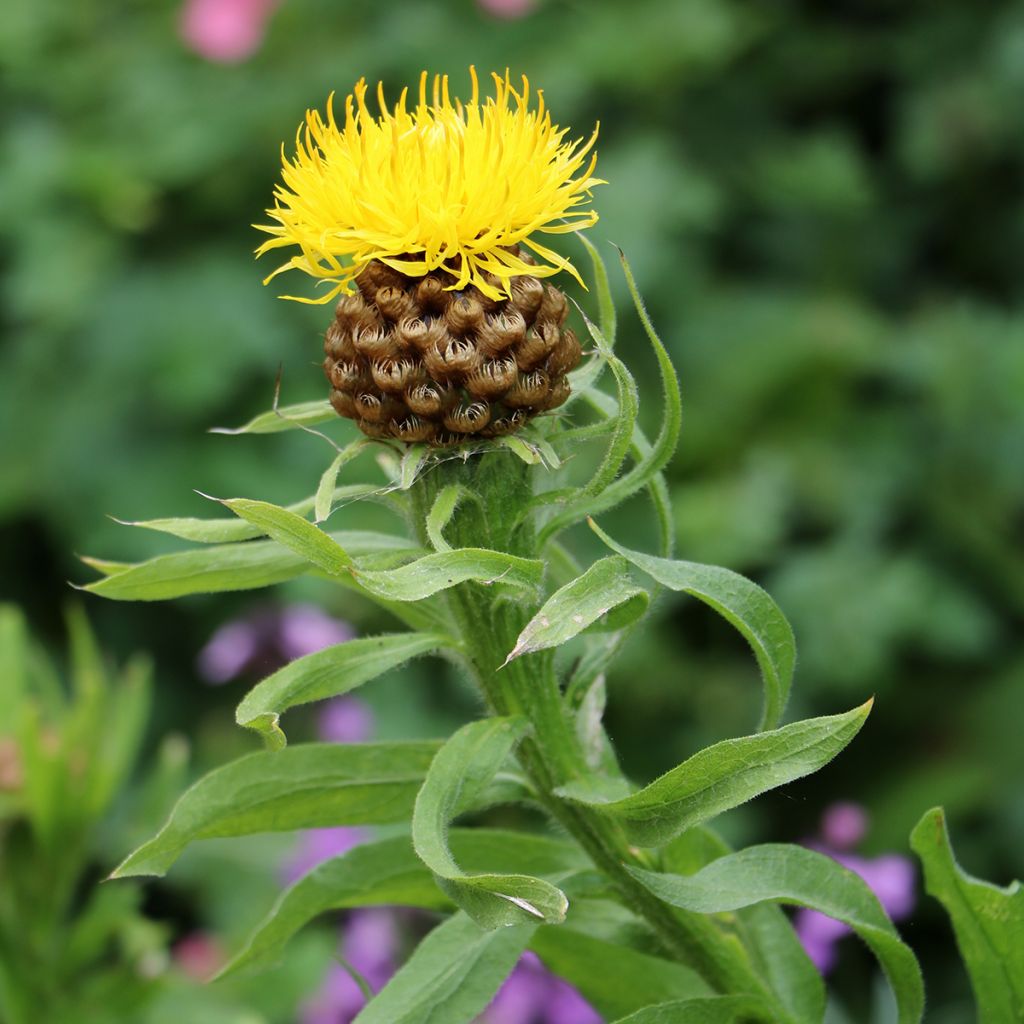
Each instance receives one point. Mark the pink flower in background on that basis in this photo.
(507, 8)
(198, 955)
(225, 31)
(890, 877)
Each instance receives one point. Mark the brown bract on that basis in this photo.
(412, 361)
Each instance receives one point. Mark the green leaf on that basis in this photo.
(389, 872)
(622, 431)
(13, 665)
(441, 512)
(461, 771)
(615, 979)
(224, 531)
(587, 499)
(288, 417)
(657, 489)
(775, 951)
(988, 922)
(226, 567)
(323, 500)
(295, 533)
(672, 414)
(744, 604)
(709, 1010)
(436, 572)
(605, 586)
(308, 786)
(328, 673)
(794, 875)
(602, 290)
(451, 976)
(724, 776)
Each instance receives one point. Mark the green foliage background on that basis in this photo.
(822, 204)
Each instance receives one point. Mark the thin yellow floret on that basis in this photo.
(444, 185)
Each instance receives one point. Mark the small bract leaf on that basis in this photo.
(724, 776)
(460, 772)
(294, 532)
(324, 498)
(795, 875)
(328, 673)
(605, 586)
(451, 976)
(441, 512)
(309, 786)
(224, 531)
(287, 417)
(988, 922)
(436, 572)
(741, 602)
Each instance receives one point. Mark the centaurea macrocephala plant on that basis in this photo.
(452, 355)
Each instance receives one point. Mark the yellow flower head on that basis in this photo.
(444, 185)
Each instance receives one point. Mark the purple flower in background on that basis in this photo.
(345, 720)
(890, 877)
(268, 638)
(368, 944)
(225, 31)
(316, 845)
(533, 995)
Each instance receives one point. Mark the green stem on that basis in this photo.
(488, 624)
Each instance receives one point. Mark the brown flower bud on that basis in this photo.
(529, 390)
(468, 417)
(396, 375)
(416, 360)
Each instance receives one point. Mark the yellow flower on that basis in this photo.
(445, 185)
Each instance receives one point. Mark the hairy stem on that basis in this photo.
(488, 621)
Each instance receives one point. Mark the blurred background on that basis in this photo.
(823, 207)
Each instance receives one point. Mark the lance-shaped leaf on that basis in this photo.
(794, 875)
(724, 776)
(328, 673)
(225, 567)
(224, 531)
(614, 978)
(444, 569)
(988, 922)
(604, 590)
(389, 872)
(451, 976)
(742, 603)
(707, 1010)
(287, 417)
(309, 786)
(295, 533)
(461, 771)
(767, 934)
